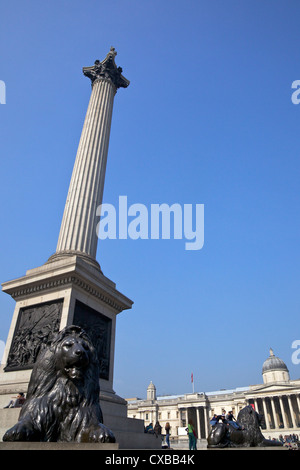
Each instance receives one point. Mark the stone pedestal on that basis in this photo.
(50, 446)
(129, 433)
(48, 298)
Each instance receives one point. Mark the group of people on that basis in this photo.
(16, 402)
(157, 430)
(291, 440)
(226, 419)
(190, 431)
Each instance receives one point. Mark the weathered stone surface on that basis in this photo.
(57, 446)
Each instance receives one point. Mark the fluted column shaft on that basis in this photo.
(78, 228)
(198, 423)
(206, 421)
(285, 423)
(291, 411)
(274, 413)
(266, 413)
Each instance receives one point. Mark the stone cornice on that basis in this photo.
(65, 274)
(65, 281)
(107, 70)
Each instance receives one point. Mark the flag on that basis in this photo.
(192, 377)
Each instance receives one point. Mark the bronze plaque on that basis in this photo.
(98, 327)
(35, 328)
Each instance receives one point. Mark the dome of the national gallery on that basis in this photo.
(273, 363)
(274, 369)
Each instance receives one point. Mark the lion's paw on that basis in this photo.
(101, 434)
(21, 432)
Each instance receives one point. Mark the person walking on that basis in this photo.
(192, 436)
(157, 428)
(168, 429)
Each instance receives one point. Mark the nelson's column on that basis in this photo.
(70, 287)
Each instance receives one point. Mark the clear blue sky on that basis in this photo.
(207, 119)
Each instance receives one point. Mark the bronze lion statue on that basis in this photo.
(62, 402)
(250, 435)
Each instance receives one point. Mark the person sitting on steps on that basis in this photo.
(18, 402)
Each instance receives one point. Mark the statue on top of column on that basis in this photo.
(107, 70)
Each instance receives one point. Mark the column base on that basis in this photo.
(61, 255)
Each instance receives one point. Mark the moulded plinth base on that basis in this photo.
(57, 446)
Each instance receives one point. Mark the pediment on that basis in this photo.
(274, 387)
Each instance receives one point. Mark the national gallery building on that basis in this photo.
(277, 399)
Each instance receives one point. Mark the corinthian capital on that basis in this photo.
(107, 70)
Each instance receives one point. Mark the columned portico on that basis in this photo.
(196, 410)
(281, 412)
